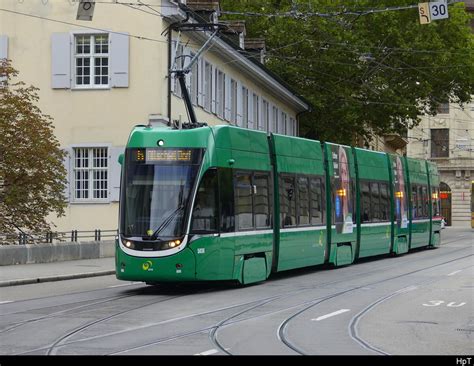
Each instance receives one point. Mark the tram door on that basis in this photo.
(445, 196)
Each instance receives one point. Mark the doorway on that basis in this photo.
(445, 196)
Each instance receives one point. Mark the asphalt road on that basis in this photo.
(421, 303)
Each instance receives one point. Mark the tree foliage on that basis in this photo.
(32, 175)
(365, 74)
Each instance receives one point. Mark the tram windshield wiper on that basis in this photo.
(167, 221)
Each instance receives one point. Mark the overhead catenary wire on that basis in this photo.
(270, 53)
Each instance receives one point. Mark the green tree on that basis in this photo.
(365, 73)
(32, 175)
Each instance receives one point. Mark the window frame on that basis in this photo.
(252, 174)
(380, 204)
(192, 231)
(92, 55)
(90, 169)
(322, 200)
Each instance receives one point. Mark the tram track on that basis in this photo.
(214, 329)
(282, 334)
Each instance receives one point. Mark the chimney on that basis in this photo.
(257, 46)
(203, 5)
(236, 31)
(207, 9)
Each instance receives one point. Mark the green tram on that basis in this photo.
(227, 203)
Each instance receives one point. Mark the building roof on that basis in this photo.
(247, 61)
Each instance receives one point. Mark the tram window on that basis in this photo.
(375, 201)
(316, 199)
(226, 200)
(365, 210)
(420, 202)
(426, 209)
(261, 201)
(384, 202)
(243, 202)
(414, 201)
(303, 201)
(287, 201)
(204, 218)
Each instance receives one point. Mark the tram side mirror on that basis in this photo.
(120, 159)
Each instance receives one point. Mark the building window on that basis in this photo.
(90, 173)
(292, 127)
(91, 53)
(443, 108)
(440, 143)
(282, 124)
(274, 127)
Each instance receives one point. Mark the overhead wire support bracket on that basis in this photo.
(181, 74)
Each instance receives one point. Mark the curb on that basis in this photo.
(29, 281)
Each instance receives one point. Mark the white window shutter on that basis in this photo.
(250, 106)
(240, 106)
(227, 98)
(119, 59)
(67, 162)
(186, 62)
(202, 73)
(115, 169)
(214, 89)
(61, 61)
(172, 75)
(3, 46)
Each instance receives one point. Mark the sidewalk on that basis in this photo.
(23, 274)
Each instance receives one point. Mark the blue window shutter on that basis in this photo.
(61, 61)
(119, 60)
(115, 170)
(3, 46)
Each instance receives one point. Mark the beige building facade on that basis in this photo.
(99, 78)
(448, 140)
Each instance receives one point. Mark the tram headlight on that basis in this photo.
(129, 244)
(172, 244)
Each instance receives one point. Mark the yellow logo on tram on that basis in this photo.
(147, 265)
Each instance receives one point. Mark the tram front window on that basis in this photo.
(156, 189)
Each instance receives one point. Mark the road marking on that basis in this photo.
(5, 302)
(322, 317)
(206, 353)
(453, 273)
(125, 284)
